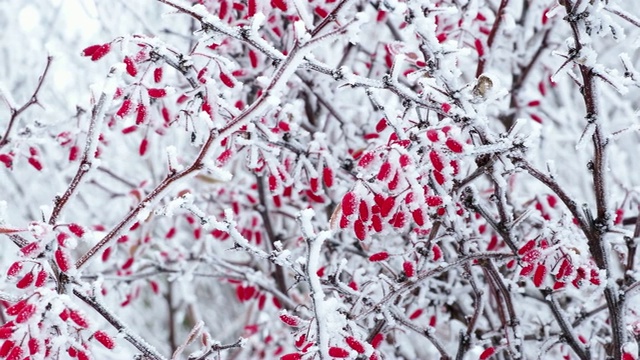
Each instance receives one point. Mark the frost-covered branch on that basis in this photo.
(17, 111)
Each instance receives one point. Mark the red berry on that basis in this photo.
(338, 352)
(42, 277)
(416, 314)
(407, 266)
(77, 318)
(33, 345)
(76, 229)
(359, 230)
(26, 313)
(157, 75)
(454, 145)
(434, 200)
(14, 269)
(6, 332)
(100, 52)
(35, 163)
(226, 79)
(290, 319)
(280, 4)
(144, 144)
(385, 171)
(62, 259)
(253, 59)
(349, 203)
(292, 356)
(487, 353)
(26, 281)
(90, 50)
(104, 339)
(130, 66)
(437, 252)
(157, 93)
(327, 177)
(355, 344)
(436, 160)
(381, 256)
(141, 114)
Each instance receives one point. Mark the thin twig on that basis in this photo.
(567, 329)
(15, 113)
(263, 209)
(135, 340)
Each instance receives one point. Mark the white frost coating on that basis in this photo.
(257, 21)
(304, 13)
(173, 205)
(125, 331)
(630, 347)
(397, 64)
(262, 81)
(3, 211)
(6, 96)
(108, 91)
(219, 173)
(243, 342)
(172, 158)
(111, 85)
(144, 212)
(282, 258)
(301, 32)
(509, 22)
(325, 310)
(354, 31)
(320, 306)
(278, 245)
(304, 218)
(238, 238)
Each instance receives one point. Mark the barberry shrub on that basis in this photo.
(321, 179)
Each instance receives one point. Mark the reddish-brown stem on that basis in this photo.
(567, 330)
(15, 113)
(599, 227)
(427, 333)
(278, 275)
(88, 153)
(492, 35)
(148, 351)
(247, 115)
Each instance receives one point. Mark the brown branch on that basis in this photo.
(4, 140)
(427, 333)
(148, 351)
(219, 347)
(567, 329)
(423, 275)
(492, 35)
(501, 228)
(266, 220)
(465, 338)
(556, 189)
(88, 153)
(233, 125)
(495, 277)
(624, 15)
(599, 227)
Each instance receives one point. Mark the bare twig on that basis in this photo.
(15, 113)
(97, 113)
(567, 329)
(279, 276)
(135, 340)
